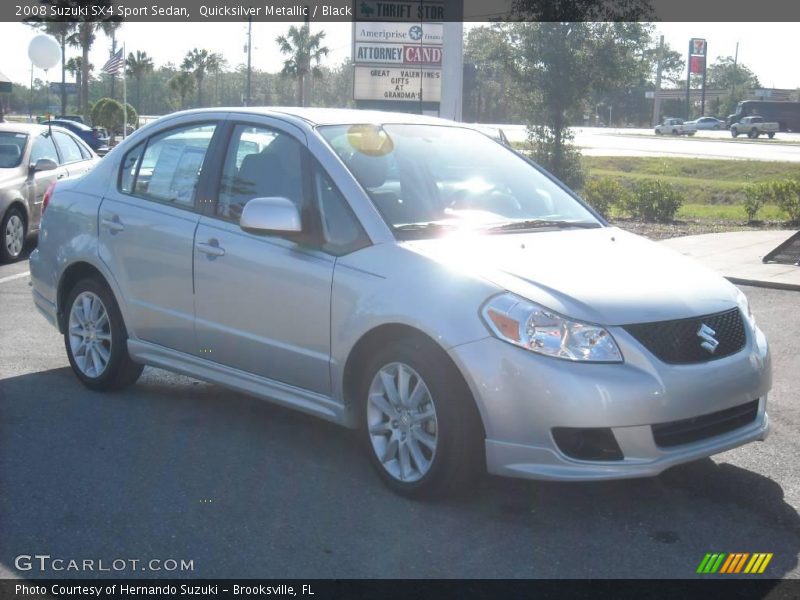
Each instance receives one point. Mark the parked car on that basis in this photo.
(675, 126)
(707, 123)
(75, 118)
(754, 127)
(93, 137)
(406, 276)
(32, 157)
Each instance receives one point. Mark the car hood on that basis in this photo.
(603, 275)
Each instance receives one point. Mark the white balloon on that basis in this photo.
(44, 51)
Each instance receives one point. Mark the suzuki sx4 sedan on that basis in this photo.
(404, 276)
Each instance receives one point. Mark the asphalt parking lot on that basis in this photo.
(178, 469)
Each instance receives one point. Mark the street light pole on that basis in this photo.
(249, 58)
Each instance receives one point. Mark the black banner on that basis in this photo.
(399, 10)
(734, 588)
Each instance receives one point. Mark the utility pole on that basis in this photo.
(735, 69)
(657, 97)
(306, 81)
(249, 59)
(703, 92)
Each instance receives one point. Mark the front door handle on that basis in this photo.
(211, 248)
(113, 224)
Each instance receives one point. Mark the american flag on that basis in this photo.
(114, 64)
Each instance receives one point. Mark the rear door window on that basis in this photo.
(167, 169)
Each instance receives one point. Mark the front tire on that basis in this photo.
(96, 339)
(419, 422)
(770, 135)
(14, 231)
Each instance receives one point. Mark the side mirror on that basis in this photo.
(44, 164)
(271, 215)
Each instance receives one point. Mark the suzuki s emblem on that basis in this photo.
(706, 334)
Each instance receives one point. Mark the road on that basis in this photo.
(178, 469)
(599, 141)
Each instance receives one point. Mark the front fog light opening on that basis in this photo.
(587, 443)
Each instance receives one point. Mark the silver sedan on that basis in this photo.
(405, 276)
(32, 157)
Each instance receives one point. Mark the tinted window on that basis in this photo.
(260, 163)
(128, 169)
(70, 152)
(43, 147)
(341, 231)
(12, 147)
(170, 167)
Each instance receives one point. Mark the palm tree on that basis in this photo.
(75, 68)
(197, 63)
(139, 65)
(216, 65)
(303, 48)
(182, 83)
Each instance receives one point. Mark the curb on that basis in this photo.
(775, 285)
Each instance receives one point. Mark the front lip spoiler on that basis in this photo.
(520, 461)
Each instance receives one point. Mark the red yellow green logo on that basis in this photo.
(736, 562)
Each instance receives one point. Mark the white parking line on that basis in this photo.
(13, 277)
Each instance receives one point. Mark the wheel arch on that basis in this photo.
(380, 336)
(72, 275)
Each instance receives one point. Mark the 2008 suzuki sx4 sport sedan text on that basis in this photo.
(406, 276)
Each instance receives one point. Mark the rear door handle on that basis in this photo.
(113, 224)
(211, 248)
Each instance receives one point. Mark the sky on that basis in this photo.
(766, 48)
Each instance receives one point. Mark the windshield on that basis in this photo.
(425, 178)
(12, 147)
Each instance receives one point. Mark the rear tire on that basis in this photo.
(771, 135)
(96, 339)
(419, 422)
(14, 231)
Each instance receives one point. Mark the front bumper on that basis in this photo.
(522, 396)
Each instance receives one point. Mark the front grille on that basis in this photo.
(678, 342)
(676, 433)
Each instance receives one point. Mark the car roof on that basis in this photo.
(68, 123)
(330, 116)
(29, 128)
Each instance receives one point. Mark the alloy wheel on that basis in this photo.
(90, 334)
(14, 237)
(402, 423)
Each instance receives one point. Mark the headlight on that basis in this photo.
(538, 329)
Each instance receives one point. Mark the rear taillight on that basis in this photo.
(47, 194)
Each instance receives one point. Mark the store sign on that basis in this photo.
(697, 64)
(697, 47)
(378, 10)
(397, 54)
(378, 53)
(397, 83)
(422, 33)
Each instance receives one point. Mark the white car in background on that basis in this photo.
(672, 126)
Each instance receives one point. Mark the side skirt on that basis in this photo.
(290, 396)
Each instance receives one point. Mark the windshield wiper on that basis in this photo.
(544, 224)
(423, 226)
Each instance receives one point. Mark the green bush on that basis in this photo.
(653, 200)
(108, 113)
(604, 192)
(558, 155)
(755, 196)
(786, 193)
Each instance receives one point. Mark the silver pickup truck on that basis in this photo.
(754, 127)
